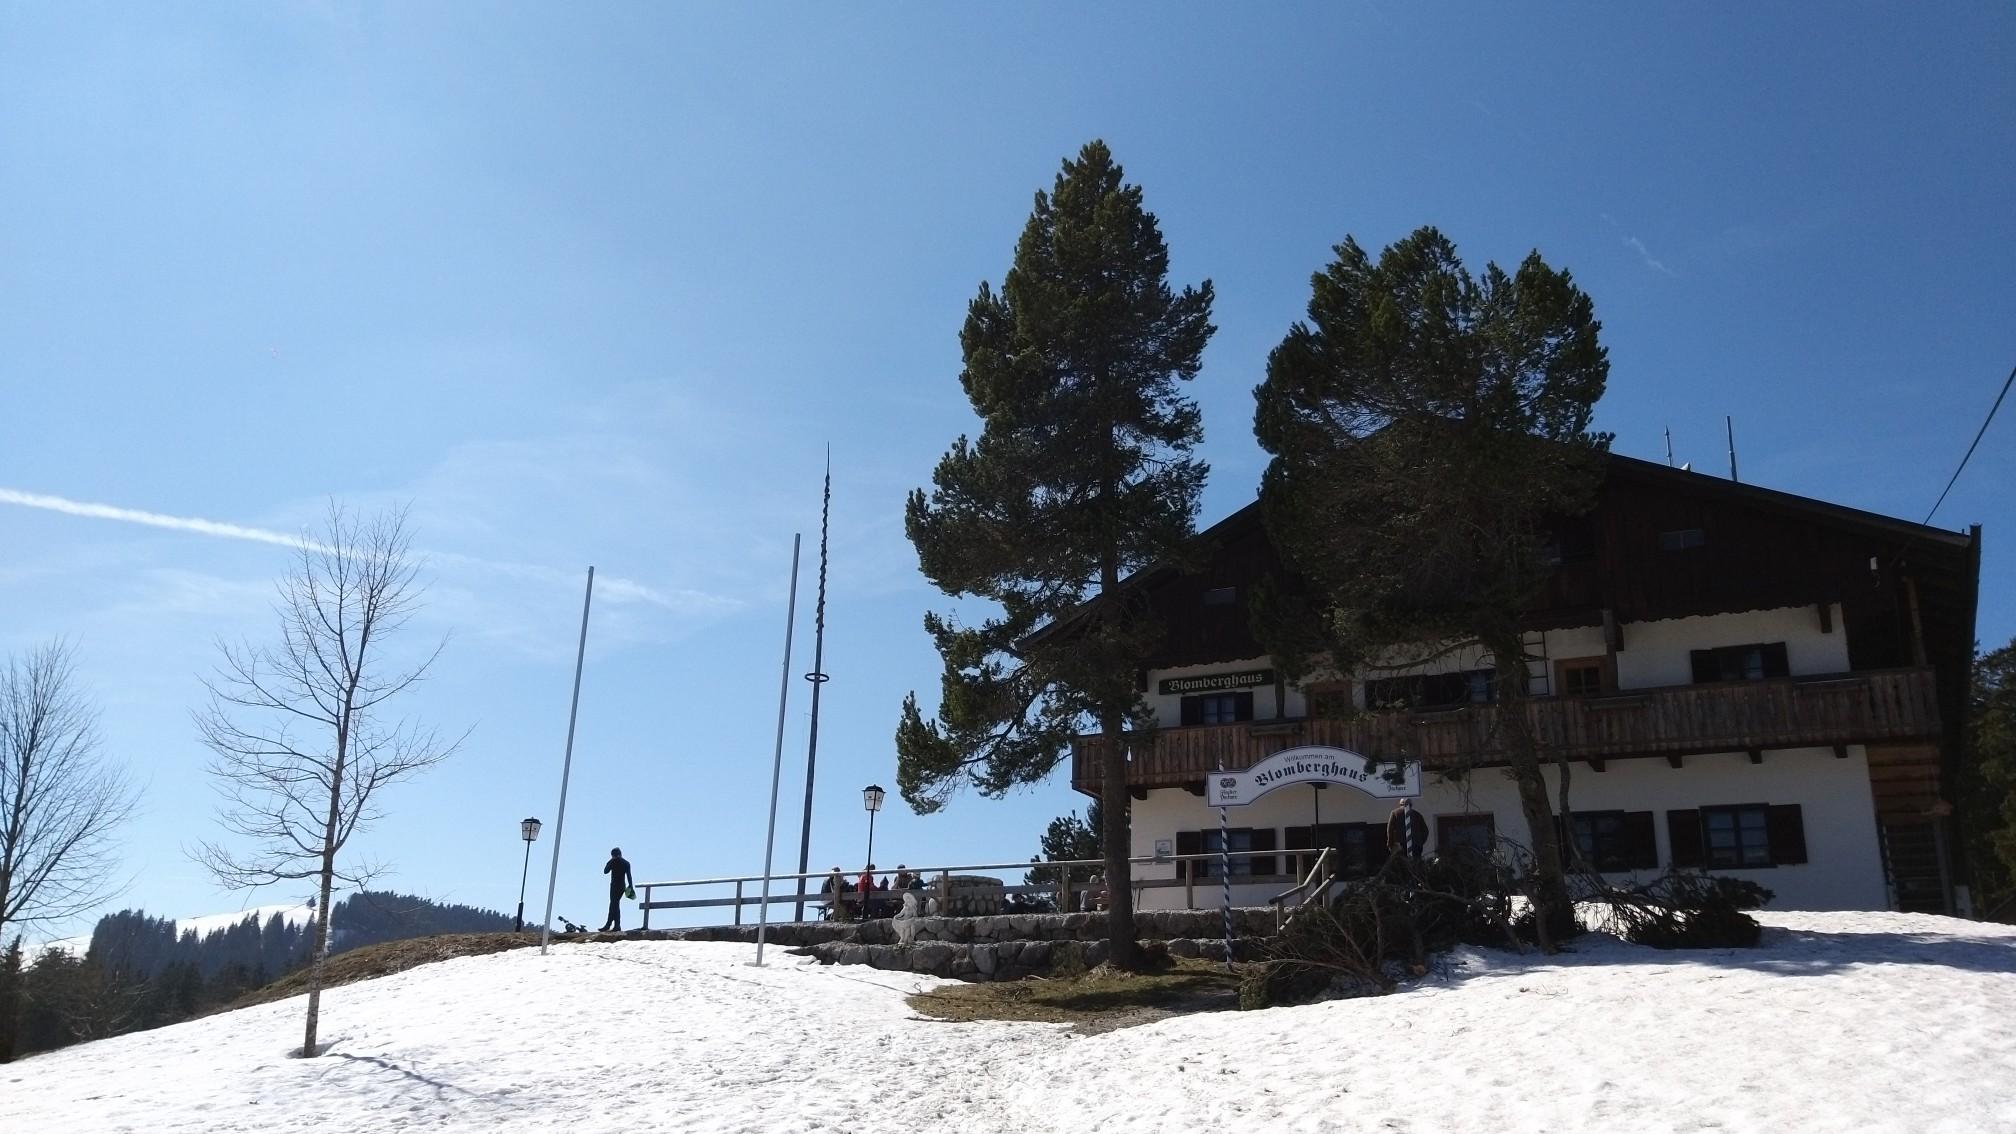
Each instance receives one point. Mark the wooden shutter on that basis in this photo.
(1193, 710)
(1787, 830)
(1243, 706)
(1262, 840)
(1775, 664)
(1641, 844)
(1707, 667)
(1190, 842)
(1683, 834)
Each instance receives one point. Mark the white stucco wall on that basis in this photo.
(1844, 868)
(1655, 654)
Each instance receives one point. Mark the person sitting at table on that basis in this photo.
(834, 891)
(903, 878)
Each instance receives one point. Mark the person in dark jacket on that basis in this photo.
(1406, 831)
(618, 870)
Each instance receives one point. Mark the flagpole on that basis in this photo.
(567, 764)
(818, 678)
(777, 760)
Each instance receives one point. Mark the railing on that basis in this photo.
(1313, 886)
(1188, 877)
(1676, 720)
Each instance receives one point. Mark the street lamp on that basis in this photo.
(871, 798)
(528, 829)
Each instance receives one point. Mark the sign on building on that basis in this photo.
(1314, 763)
(1217, 682)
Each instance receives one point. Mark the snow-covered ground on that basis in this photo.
(1862, 1022)
(297, 913)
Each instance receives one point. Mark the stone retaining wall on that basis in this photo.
(1005, 960)
(1149, 925)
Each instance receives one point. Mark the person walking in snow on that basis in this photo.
(618, 870)
(1406, 831)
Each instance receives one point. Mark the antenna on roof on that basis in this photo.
(1669, 446)
(1729, 424)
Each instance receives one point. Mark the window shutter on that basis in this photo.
(1263, 839)
(1787, 829)
(1363, 855)
(1193, 710)
(1706, 667)
(1775, 664)
(1244, 710)
(1190, 842)
(1296, 838)
(1641, 844)
(1683, 832)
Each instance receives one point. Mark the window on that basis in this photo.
(1740, 663)
(1682, 539)
(1616, 840)
(1217, 708)
(1237, 839)
(1738, 836)
(1581, 677)
(1431, 690)
(1465, 833)
(1221, 596)
(1361, 847)
(1571, 540)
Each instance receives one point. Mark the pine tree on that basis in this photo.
(1988, 822)
(10, 998)
(1427, 427)
(1067, 838)
(1081, 475)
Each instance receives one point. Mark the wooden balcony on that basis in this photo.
(1673, 721)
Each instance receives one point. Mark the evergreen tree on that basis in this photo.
(1426, 429)
(1082, 474)
(1068, 837)
(1989, 783)
(10, 998)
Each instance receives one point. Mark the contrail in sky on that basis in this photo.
(616, 589)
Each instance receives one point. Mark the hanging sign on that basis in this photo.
(1215, 682)
(1314, 763)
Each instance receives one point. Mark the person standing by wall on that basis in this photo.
(618, 870)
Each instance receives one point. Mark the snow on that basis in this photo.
(1841, 1021)
(297, 913)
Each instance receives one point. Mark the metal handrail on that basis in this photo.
(1322, 868)
(1185, 877)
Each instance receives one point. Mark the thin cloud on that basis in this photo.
(1645, 255)
(611, 588)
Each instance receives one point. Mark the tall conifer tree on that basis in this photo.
(1082, 474)
(1428, 429)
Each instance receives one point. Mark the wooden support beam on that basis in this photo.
(1194, 787)
(1596, 763)
(1137, 791)
(1840, 752)
(1674, 761)
(1613, 633)
(1826, 617)
(1756, 755)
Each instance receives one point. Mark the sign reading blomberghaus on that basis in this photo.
(1214, 682)
(1314, 763)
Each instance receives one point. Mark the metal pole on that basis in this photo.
(777, 760)
(869, 861)
(566, 766)
(1225, 875)
(1729, 423)
(523, 873)
(818, 678)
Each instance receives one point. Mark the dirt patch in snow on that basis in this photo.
(388, 958)
(1101, 1000)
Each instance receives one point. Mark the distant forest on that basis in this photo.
(138, 973)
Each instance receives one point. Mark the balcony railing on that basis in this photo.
(1678, 720)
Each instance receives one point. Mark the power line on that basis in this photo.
(2006, 383)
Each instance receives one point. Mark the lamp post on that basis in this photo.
(871, 798)
(528, 829)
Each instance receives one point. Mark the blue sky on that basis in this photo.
(599, 284)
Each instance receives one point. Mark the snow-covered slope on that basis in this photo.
(298, 913)
(1842, 1022)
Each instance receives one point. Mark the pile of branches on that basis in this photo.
(1684, 910)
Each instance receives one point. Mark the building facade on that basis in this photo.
(1742, 680)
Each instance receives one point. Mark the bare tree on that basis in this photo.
(62, 800)
(301, 739)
